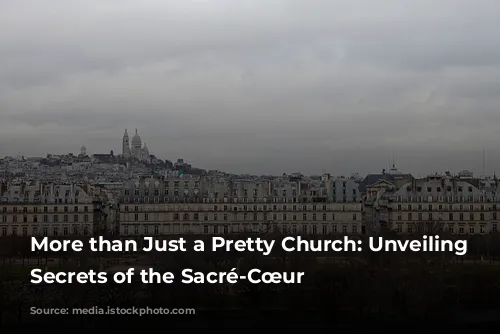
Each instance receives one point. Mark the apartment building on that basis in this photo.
(46, 209)
(212, 205)
(445, 203)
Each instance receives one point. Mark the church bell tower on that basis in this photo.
(126, 145)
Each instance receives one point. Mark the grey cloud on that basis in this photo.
(255, 86)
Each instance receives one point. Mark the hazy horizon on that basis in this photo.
(259, 87)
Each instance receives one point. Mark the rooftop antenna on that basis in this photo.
(484, 162)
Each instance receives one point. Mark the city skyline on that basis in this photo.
(483, 170)
(256, 87)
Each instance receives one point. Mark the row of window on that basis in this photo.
(238, 228)
(439, 189)
(451, 228)
(447, 199)
(245, 216)
(57, 193)
(235, 194)
(45, 231)
(450, 207)
(196, 199)
(254, 208)
(45, 218)
(35, 209)
(451, 216)
(234, 186)
(38, 200)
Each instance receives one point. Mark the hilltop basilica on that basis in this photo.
(136, 150)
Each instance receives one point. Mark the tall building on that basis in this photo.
(136, 150)
(126, 145)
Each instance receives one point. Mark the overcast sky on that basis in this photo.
(257, 86)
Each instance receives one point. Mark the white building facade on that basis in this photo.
(45, 210)
(134, 149)
(203, 205)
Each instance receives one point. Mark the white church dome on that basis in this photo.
(136, 141)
